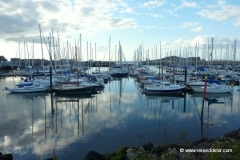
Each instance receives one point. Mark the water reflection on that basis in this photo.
(211, 95)
(81, 106)
(205, 111)
(119, 115)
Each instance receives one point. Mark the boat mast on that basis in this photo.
(120, 55)
(196, 55)
(24, 54)
(58, 51)
(19, 62)
(90, 58)
(87, 56)
(234, 54)
(33, 54)
(28, 61)
(160, 59)
(50, 49)
(42, 61)
(212, 52)
(109, 52)
(80, 37)
(96, 57)
(76, 62)
(53, 45)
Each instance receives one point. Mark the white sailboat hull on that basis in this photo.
(164, 87)
(27, 89)
(210, 89)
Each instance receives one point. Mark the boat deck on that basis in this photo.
(15, 74)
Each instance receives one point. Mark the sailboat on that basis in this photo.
(27, 89)
(163, 88)
(120, 70)
(73, 88)
(214, 88)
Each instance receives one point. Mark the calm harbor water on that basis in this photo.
(32, 125)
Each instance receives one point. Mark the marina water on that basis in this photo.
(32, 125)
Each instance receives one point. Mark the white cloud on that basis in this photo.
(149, 27)
(166, 45)
(174, 5)
(152, 4)
(179, 41)
(221, 2)
(188, 4)
(156, 15)
(211, 6)
(97, 20)
(237, 22)
(127, 10)
(203, 40)
(20, 21)
(172, 12)
(223, 13)
(189, 24)
(198, 29)
(86, 16)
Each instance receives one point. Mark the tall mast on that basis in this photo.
(28, 61)
(87, 56)
(90, 57)
(212, 52)
(53, 46)
(160, 56)
(120, 56)
(76, 61)
(19, 62)
(109, 50)
(24, 54)
(33, 54)
(80, 49)
(95, 52)
(42, 61)
(50, 50)
(66, 55)
(58, 50)
(234, 54)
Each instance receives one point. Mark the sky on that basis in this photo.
(145, 29)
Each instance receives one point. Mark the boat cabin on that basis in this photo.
(169, 85)
(165, 83)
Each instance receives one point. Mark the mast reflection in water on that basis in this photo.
(32, 125)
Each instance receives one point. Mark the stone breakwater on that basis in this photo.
(222, 148)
